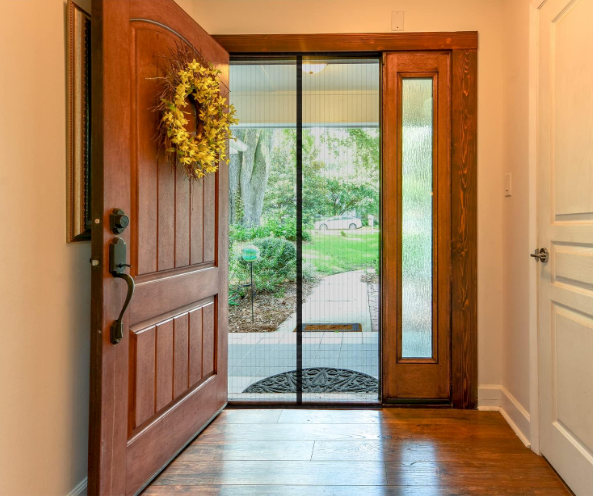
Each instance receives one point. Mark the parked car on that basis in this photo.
(339, 222)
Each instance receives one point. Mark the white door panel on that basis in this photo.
(565, 227)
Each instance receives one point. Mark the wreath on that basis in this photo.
(191, 83)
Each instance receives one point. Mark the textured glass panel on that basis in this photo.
(417, 135)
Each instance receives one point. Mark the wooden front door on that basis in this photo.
(565, 229)
(162, 383)
(416, 227)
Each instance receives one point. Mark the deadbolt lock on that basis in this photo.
(118, 221)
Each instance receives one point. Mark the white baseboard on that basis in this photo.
(80, 488)
(494, 397)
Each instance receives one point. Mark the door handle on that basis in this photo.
(542, 255)
(117, 267)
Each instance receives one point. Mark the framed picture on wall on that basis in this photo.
(79, 120)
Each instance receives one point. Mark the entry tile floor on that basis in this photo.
(383, 452)
(253, 356)
(341, 298)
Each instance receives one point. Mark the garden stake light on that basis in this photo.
(251, 254)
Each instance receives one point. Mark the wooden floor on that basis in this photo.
(332, 452)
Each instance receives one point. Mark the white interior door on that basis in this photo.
(565, 227)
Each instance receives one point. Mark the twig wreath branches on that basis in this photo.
(190, 81)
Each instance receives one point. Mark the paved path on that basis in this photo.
(341, 298)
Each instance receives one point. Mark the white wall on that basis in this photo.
(44, 282)
(517, 244)
(485, 16)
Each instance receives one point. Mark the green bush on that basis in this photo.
(309, 272)
(272, 228)
(239, 233)
(276, 265)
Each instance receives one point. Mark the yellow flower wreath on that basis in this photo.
(197, 154)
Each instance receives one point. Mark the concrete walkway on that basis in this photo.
(338, 299)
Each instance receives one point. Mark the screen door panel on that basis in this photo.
(313, 332)
(341, 165)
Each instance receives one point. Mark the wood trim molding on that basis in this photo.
(464, 235)
(463, 47)
(412, 379)
(342, 42)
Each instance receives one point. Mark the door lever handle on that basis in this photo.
(542, 255)
(117, 328)
(117, 266)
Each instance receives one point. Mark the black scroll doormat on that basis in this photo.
(331, 328)
(317, 380)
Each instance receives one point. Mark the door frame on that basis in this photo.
(533, 82)
(463, 47)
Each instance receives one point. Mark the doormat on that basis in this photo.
(317, 380)
(331, 327)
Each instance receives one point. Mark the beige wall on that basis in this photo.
(516, 234)
(485, 16)
(45, 282)
(44, 293)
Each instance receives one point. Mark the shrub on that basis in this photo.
(272, 228)
(309, 272)
(276, 265)
(239, 233)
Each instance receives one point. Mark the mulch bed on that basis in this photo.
(269, 310)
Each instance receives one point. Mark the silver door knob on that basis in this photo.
(541, 255)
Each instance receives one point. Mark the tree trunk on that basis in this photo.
(255, 169)
(234, 172)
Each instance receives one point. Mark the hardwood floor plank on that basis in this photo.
(252, 450)
(330, 417)
(273, 473)
(410, 450)
(249, 417)
(439, 413)
(304, 432)
(459, 432)
(462, 475)
(395, 415)
(368, 453)
(242, 490)
(319, 432)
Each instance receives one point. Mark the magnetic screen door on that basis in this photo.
(304, 230)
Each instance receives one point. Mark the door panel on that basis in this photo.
(167, 378)
(565, 228)
(417, 229)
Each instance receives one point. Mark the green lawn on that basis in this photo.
(332, 254)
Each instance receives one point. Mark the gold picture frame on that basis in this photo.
(79, 123)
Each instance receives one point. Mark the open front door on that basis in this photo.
(166, 378)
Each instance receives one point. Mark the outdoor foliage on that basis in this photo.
(340, 175)
(272, 228)
(275, 267)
